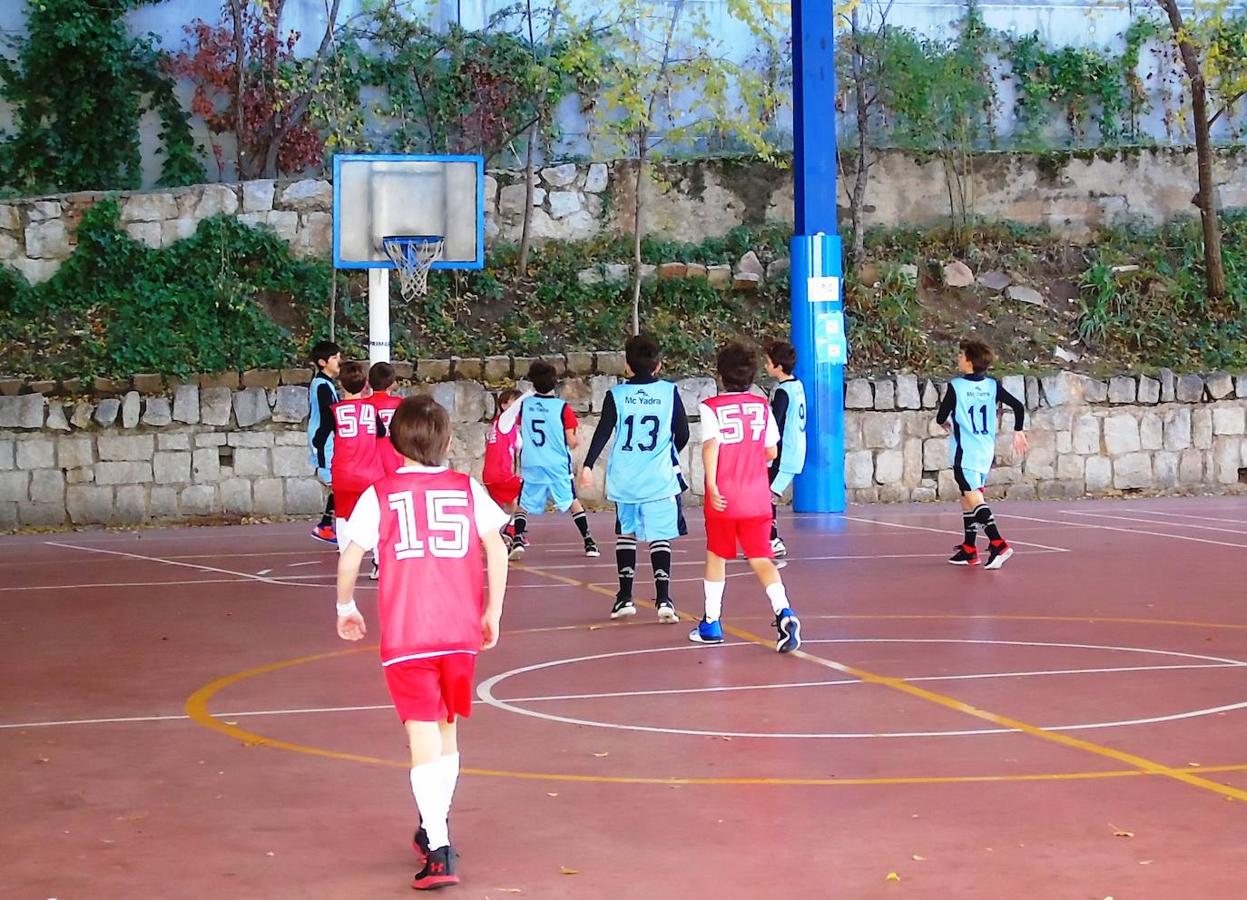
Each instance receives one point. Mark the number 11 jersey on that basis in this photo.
(973, 444)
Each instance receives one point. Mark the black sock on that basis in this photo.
(327, 518)
(660, 559)
(625, 562)
(520, 521)
(968, 523)
(582, 523)
(983, 515)
(774, 521)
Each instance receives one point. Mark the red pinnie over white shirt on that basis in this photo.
(385, 404)
(744, 427)
(426, 526)
(355, 461)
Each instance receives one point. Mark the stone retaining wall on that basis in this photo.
(688, 201)
(234, 446)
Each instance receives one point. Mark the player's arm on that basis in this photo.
(771, 439)
(569, 427)
(601, 434)
(489, 521)
(366, 527)
(324, 402)
(710, 456)
(1020, 444)
(679, 424)
(947, 405)
(511, 414)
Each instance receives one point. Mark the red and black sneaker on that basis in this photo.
(997, 553)
(965, 556)
(420, 843)
(438, 871)
(326, 534)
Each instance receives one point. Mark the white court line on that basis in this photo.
(945, 531)
(1235, 531)
(1157, 512)
(800, 684)
(117, 584)
(1159, 534)
(167, 562)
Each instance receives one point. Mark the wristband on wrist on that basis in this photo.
(348, 608)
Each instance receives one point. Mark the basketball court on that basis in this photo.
(179, 718)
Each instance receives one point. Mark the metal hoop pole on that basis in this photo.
(378, 315)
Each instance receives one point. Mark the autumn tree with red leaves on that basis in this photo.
(249, 84)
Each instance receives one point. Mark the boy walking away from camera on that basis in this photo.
(437, 533)
(971, 401)
(548, 437)
(650, 427)
(788, 408)
(355, 462)
(739, 438)
(322, 394)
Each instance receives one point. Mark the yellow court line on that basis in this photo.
(899, 684)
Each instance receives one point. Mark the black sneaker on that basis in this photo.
(666, 612)
(997, 553)
(965, 556)
(591, 548)
(420, 843)
(375, 573)
(438, 871)
(623, 607)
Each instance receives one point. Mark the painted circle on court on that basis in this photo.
(485, 691)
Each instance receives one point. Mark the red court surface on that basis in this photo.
(178, 719)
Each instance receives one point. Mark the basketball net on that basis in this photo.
(413, 256)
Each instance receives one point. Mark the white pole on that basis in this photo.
(378, 315)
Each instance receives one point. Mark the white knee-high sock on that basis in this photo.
(428, 787)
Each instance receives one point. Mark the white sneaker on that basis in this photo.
(777, 546)
(375, 573)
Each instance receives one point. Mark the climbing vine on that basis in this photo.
(79, 84)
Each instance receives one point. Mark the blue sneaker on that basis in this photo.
(707, 632)
(789, 628)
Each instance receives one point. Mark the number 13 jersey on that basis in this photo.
(973, 445)
(639, 468)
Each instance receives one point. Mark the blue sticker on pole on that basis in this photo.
(830, 344)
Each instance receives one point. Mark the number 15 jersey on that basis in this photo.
(973, 444)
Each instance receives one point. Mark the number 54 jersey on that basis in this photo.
(639, 469)
(973, 445)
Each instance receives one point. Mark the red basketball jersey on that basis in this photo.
(742, 474)
(355, 463)
(500, 454)
(432, 586)
(385, 404)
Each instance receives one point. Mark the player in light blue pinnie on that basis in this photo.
(968, 410)
(788, 408)
(642, 474)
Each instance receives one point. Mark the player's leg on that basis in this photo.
(625, 559)
(966, 553)
(779, 483)
(581, 518)
(324, 530)
(754, 536)
(434, 774)
(659, 525)
(720, 546)
(998, 549)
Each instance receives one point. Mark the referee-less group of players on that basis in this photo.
(440, 540)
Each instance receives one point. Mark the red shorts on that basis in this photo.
(505, 492)
(753, 535)
(433, 689)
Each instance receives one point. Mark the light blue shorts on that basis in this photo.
(533, 497)
(654, 520)
(969, 480)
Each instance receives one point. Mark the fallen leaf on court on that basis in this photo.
(1193, 765)
(892, 876)
(1125, 834)
(270, 853)
(595, 627)
(563, 870)
(1145, 862)
(508, 890)
(920, 858)
(227, 722)
(600, 755)
(552, 793)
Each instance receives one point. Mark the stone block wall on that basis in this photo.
(234, 446)
(688, 201)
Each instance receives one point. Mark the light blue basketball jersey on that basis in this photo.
(544, 457)
(973, 445)
(792, 441)
(313, 418)
(639, 468)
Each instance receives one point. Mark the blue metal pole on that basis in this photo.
(817, 310)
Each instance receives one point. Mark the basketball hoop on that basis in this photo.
(413, 256)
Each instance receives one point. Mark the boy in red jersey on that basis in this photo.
(381, 378)
(430, 525)
(739, 439)
(355, 465)
(501, 448)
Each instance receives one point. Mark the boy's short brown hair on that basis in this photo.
(783, 355)
(506, 396)
(642, 355)
(354, 376)
(420, 430)
(543, 376)
(978, 354)
(737, 365)
(381, 376)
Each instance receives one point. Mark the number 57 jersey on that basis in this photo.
(639, 469)
(744, 427)
(973, 445)
(426, 525)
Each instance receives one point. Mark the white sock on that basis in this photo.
(778, 597)
(450, 776)
(429, 789)
(714, 599)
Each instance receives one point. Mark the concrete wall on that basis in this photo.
(231, 447)
(682, 201)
